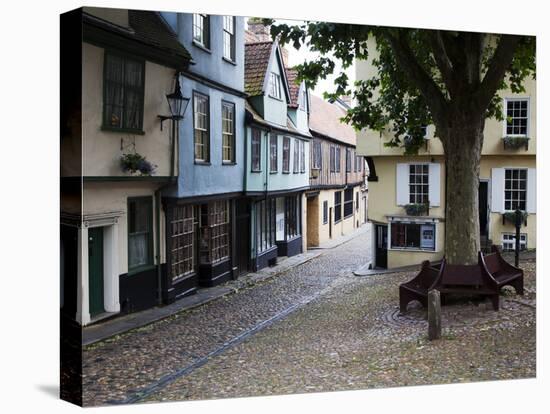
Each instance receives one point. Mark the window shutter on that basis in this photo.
(497, 190)
(434, 184)
(532, 190)
(402, 187)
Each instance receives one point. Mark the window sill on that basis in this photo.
(229, 163)
(273, 172)
(256, 171)
(201, 46)
(411, 249)
(286, 172)
(232, 62)
(122, 130)
(202, 162)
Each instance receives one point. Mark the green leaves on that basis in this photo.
(392, 99)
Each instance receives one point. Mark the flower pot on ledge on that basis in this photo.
(514, 143)
(510, 217)
(416, 209)
(136, 165)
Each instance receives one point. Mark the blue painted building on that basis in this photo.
(277, 150)
(202, 244)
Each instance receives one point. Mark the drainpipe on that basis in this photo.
(158, 195)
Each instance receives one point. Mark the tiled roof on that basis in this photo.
(150, 28)
(146, 27)
(256, 59)
(293, 86)
(324, 119)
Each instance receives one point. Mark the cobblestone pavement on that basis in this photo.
(349, 335)
(117, 369)
(353, 337)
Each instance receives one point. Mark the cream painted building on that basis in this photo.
(507, 181)
(337, 198)
(112, 215)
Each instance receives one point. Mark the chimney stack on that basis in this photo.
(260, 31)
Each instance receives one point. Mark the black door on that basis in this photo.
(95, 262)
(483, 207)
(242, 225)
(381, 246)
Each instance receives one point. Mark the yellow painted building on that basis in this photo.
(507, 181)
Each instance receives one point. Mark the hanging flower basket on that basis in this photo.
(516, 142)
(136, 163)
(510, 217)
(416, 209)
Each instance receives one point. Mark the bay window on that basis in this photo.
(181, 241)
(414, 236)
(215, 232)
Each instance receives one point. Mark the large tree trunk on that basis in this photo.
(462, 141)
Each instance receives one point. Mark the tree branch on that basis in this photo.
(472, 49)
(417, 75)
(500, 62)
(442, 59)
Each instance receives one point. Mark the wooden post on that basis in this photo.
(434, 315)
(518, 222)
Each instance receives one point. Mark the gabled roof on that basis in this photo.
(257, 63)
(324, 119)
(147, 28)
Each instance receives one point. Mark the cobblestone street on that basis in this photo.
(313, 328)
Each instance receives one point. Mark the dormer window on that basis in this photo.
(275, 85)
(201, 30)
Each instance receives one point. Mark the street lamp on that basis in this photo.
(177, 104)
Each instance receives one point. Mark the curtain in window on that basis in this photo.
(114, 78)
(133, 82)
(137, 246)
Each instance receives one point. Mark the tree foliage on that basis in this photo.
(421, 76)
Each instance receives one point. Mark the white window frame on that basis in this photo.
(505, 122)
(229, 23)
(201, 29)
(526, 186)
(510, 238)
(275, 85)
(426, 184)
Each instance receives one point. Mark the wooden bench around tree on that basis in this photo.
(502, 272)
(417, 288)
(485, 278)
(467, 280)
